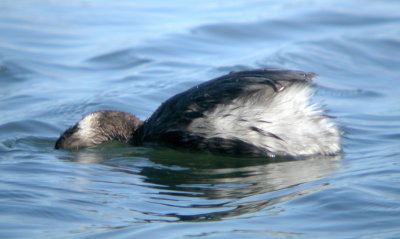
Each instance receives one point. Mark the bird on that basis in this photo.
(252, 113)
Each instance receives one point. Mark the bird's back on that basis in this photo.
(254, 113)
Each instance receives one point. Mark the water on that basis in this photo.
(61, 60)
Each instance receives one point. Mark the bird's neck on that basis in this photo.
(100, 127)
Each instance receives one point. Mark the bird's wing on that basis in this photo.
(175, 114)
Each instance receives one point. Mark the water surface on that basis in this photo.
(62, 60)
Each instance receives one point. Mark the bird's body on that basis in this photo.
(258, 113)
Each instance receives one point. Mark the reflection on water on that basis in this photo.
(217, 187)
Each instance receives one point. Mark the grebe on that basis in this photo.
(255, 113)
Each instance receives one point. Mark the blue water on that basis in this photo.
(60, 60)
